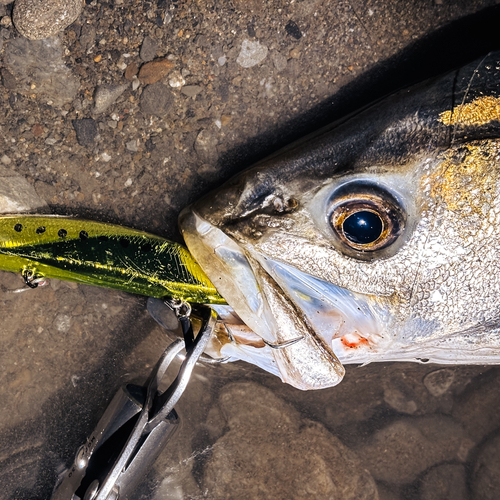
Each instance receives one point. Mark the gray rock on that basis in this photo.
(478, 407)
(17, 194)
(486, 471)
(148, 49)
(132, 146)
(267, 439)
(205, 146)
(86, 131)
(402, 450)
(439, 381)
(156, 99)
(191, 90)
(41, 62)
(444, 482)
(279, 61)
(8, 79)
(39, 19)
(106, 95)
(251, 53)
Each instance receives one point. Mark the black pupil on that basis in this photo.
(362, 227)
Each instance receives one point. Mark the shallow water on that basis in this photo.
(389, 431)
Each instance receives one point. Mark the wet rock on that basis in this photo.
(478, 407)
(86, 131)
(400, 397)
(17, 194)
(8, 79)
(176, 79)
(251, 54)
(131, 71)
(444, 482)
(148, 49)
(486, 472)
(132, 146)
(156, 100)
(205, 146)
(39, 19)
(106, 95)
(402, 450)
(40, 63)
(191, 90)
(439, 381)
(293, 30)
(279, 61)
(266, 440)
(154, 71)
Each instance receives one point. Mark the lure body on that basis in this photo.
(102, 254)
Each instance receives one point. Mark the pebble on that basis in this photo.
(400, 398)
(131, 71)
(444, 482)
(40, 64)
(132, 145)
(17, 194)
(294, 53)
(205, 146)
(154, 71)
(266, 440)
(485, 480)
(293, 30)
(221, 60)
(8, 79)
(86, 131)
(136, 83)
(176, 80)
(6, 160)
(401, 451)
(106, 95)
(39, 19)
(279, 61)
(156, 100)
(478, 407)
(148, 49)
(191, 90)
(439, 381)
(6, 21)
(251, 54)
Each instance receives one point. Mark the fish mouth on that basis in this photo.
(301, 328)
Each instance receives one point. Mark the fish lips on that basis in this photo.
(306, 324)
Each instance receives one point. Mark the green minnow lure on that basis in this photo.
(102, 254)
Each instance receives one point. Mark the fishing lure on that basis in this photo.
(107, 255)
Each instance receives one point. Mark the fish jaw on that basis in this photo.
(281, 304)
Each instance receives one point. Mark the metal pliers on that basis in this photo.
(136, 425)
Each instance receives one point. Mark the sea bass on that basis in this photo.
(375, 239)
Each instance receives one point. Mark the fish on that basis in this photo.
(374, 239)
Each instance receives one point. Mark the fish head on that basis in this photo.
(372, 240)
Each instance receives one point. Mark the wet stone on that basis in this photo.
(86, 131)
(486, 471)
(8, 79)
(39, 19)
(439, 381)
(401, 451)
(106, 95)
(148, 49)
(156, 100)
(444, 482)
(205, 146)
(191, 90)
(266, 440)
(251, 54)
(17, 194)
(293, 30)
(131, 71)
(154, 71)
(279, 61)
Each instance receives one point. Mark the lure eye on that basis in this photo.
(365, 219)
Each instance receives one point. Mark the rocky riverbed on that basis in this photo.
(126, 115)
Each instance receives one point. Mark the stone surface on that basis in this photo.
(266, 440)
(148, 49)
(106, 95)
(86, 131)
(38, 19)
(439, 381)
(206, 146)
(156, 99)
(251, 54)
(402, 450)
(154, 71)
(444, 482)
(485, 481)
(17, 194)
(39, 64)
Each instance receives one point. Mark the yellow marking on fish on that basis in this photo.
(465, 180)
(478, 112)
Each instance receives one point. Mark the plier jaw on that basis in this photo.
(135, 427)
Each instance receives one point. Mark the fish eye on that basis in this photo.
(365, 217)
